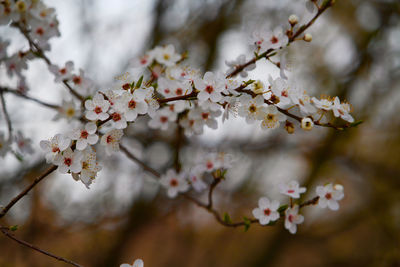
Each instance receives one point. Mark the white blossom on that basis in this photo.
(111, 140)
(293, 218)
(54, 146)
(266, 211)
(251, 108)
(85, 136)
(272, 118)
(291, 189)
(69, 160)
(137, 263)
(210, 87)
(174, 183)
(166, 55)
(329, 195)
(97, 108)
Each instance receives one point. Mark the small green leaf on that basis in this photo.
(356, 123)
(247, 223)
(13, 228)
(227, 219)
(282, 208)
(19, 157)
(139, 82)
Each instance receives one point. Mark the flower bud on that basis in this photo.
(293, 19)
(289, 127)
(307, 37)
(307, 124)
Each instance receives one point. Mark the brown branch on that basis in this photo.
(5, 231)
(6, 116)
(26, 190)
(17, 93)
(138, 161)
(292, 38)
(39, 53)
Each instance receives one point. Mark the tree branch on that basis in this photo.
(26, 190)
(5, 231)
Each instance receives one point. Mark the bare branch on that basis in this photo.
(5, 231)
(6, 116)
(26, 190)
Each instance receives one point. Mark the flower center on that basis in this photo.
(179, 91)
(290, 191)
(116, 116)
(77, 80)
(267, 212)
(290, 218)
(68, 161)
(205, 116)
(98, 110)
(40, 31)
(209, 165)
(173, 182)
(284, 93)
(252, 108)
(63, 71)
(209, 89)
(55, 149)
(84, 134)
(274, 39)
(166, 56)
(328, 196)
(163, 119)
(132, 104)
(109, 139)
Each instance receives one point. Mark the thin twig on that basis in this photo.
(17, 93)
(7, 116)
(138, 161)
(292, 38)
(6, 232)
(26, 190)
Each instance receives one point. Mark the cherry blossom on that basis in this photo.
(293, 218)
(132, 104)
(162, 118)
(329, 195)
(210, 87)
(266, 211)
(174, 183)
(69, 160)
(137, 263)
(24, 145)
(111, 140)
(85, 136)
(342, 110)
(251, 108)
(291, 189)
(90, 167)
(195, 179)
(64, 73)
(54, 146)
(272, 118)
(67, 111)
(307, 124)
(240, 60)
(323, 103)
(97, 108)
(166, 55)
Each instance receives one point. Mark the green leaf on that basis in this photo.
(139, 82)
(356, 123)
(282, 208)
(19, 157)
(227, 219)
(13, 228)
(247, 223)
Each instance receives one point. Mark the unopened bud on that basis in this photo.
(293, 19)
(289, 127)
(307, 37)
(307, 124)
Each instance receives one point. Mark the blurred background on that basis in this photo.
(355, 54)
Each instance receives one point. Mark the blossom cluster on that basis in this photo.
(270, 211)
(169, 93)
